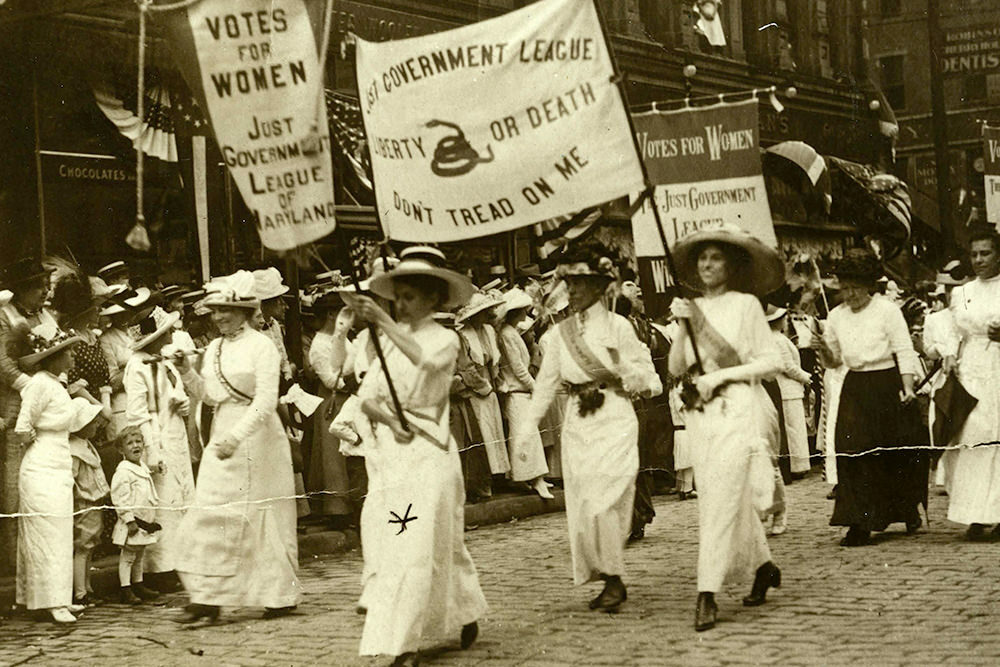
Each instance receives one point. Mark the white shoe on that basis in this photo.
(542, 488)
(62, 615)
(779, 525)
(76, 608)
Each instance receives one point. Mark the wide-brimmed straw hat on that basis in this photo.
(477, 303)
(773, 313)
(152, 328)
(128, 300)
(424, 261)
(763, 274)
(236, 290)
(587, 260)
(269, 284)
(84, 412)
(113, 270)
(46, 340)
(514, 299)
(860, 265)
(171, 292)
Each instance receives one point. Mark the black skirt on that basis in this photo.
(882, 469)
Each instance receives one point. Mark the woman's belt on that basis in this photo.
(873, 366)
(591, 394)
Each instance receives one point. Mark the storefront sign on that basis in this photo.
(705, 164)
(495, 126)
(991, 164)
(258, 73)
(377, 24)
(971, 50)
(86, 169)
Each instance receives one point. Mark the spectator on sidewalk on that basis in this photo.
(90, 492)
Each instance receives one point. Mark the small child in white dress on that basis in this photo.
(90, 489)
(134, 498)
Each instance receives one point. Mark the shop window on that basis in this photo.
(825, 64)
(974, 89)
(892, 80)
(822, 20)
(890, 8)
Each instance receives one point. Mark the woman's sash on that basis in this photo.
(572, 337)
(711, 344)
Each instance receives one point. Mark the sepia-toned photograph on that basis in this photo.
(499, 333)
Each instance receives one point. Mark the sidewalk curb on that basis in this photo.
(324, 543)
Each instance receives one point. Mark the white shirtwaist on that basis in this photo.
(973, 479)
(600, 453)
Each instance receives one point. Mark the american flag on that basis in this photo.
(556, 234)
(348, 134)
(188, 117)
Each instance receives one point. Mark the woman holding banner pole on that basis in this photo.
(730, 417)
(425, 589)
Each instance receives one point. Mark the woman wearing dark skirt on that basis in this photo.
(882, 475)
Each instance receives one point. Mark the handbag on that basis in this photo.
(952, 405)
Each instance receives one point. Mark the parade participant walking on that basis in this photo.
(732, 418)
(90, 490)
(601, 362)
(514, 384)
(791, 381)
(28, 281)
(974, 467)
(45, 529)
(880, 478)
(472, 321)
(241, 548)
(134, 497)
(425, 589)
(158, 405)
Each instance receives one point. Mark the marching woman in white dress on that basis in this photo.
(45, 540)
(240, 539)
(732, 419)
(597, 357)
(158, 405)
(425, 590)
(973, 481)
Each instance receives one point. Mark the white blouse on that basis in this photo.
(45, 405)
(975, 306)
(866, 340)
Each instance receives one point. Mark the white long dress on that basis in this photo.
(487, 408)
(425, 586)
(730, 434)
(974, 469)
(45, 485)
(600, 451)
(117, 347)
(240, 539)
(527, 456)
(790, 381)
(152, 390)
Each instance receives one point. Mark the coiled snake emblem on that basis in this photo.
(453, 156)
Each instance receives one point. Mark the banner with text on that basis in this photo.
(496, 125)
(991, 169)
(256, 71)
(705, 166)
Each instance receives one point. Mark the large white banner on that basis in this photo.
(991, 159)
(495, 125)
(705, 166)
(254, 64)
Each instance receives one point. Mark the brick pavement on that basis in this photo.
(923, 600)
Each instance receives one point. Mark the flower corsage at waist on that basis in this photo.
(591, 394)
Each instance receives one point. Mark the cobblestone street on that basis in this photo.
(928, 599)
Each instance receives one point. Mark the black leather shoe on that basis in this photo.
(913, 526)
(144, 593)
(768, 576)
(637, 534)
(706, 612)
(128, 596)
(612, 596)
(856, 537)
(469, 633)
(277, 612)
(195, 612)
(976, 533)
(406, 660)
